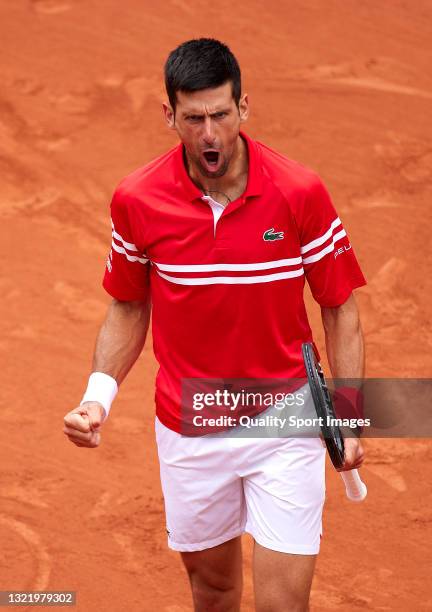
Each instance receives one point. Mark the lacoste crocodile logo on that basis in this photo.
(270, 234)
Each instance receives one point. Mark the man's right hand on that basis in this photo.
(82, 425)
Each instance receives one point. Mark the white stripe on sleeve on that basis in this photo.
(123, 251)
(327, 249)
(318, 241)
(127, 245)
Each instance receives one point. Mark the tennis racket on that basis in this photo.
(355, 489)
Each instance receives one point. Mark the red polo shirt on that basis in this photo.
(227, 302)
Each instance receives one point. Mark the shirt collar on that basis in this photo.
(255, 177)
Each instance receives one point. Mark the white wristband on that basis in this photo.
(101, 388)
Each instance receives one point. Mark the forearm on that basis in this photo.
(121, 338)
(345, 352)
(344, 340)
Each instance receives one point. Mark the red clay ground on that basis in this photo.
(342, 86)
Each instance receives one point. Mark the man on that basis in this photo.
(221, 232)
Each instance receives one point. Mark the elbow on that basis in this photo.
(345, 317)
(133, 309)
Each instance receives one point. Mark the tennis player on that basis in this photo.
(218, 236)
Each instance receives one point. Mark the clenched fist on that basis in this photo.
(82, 424)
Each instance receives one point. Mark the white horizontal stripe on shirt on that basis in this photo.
(128, 245)
(123, 251)
(318, 241)
(227, 267)
(327, 249)
(232, 280)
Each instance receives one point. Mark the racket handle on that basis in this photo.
(356, 489)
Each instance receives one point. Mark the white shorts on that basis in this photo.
(216, 488)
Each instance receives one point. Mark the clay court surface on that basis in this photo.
(344, 87)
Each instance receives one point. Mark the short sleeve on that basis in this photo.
(127, 269)
(329, 262)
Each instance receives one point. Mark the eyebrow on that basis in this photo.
(192, 113)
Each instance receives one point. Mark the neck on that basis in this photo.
(233, 182)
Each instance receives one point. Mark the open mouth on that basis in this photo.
(211, 157)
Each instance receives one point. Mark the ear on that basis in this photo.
(244, 108)
(169, 115)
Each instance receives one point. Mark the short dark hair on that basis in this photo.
(201, 63)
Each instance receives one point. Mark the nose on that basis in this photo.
(209, 134)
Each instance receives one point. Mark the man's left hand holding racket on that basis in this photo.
(346, 453)
(354, 453)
